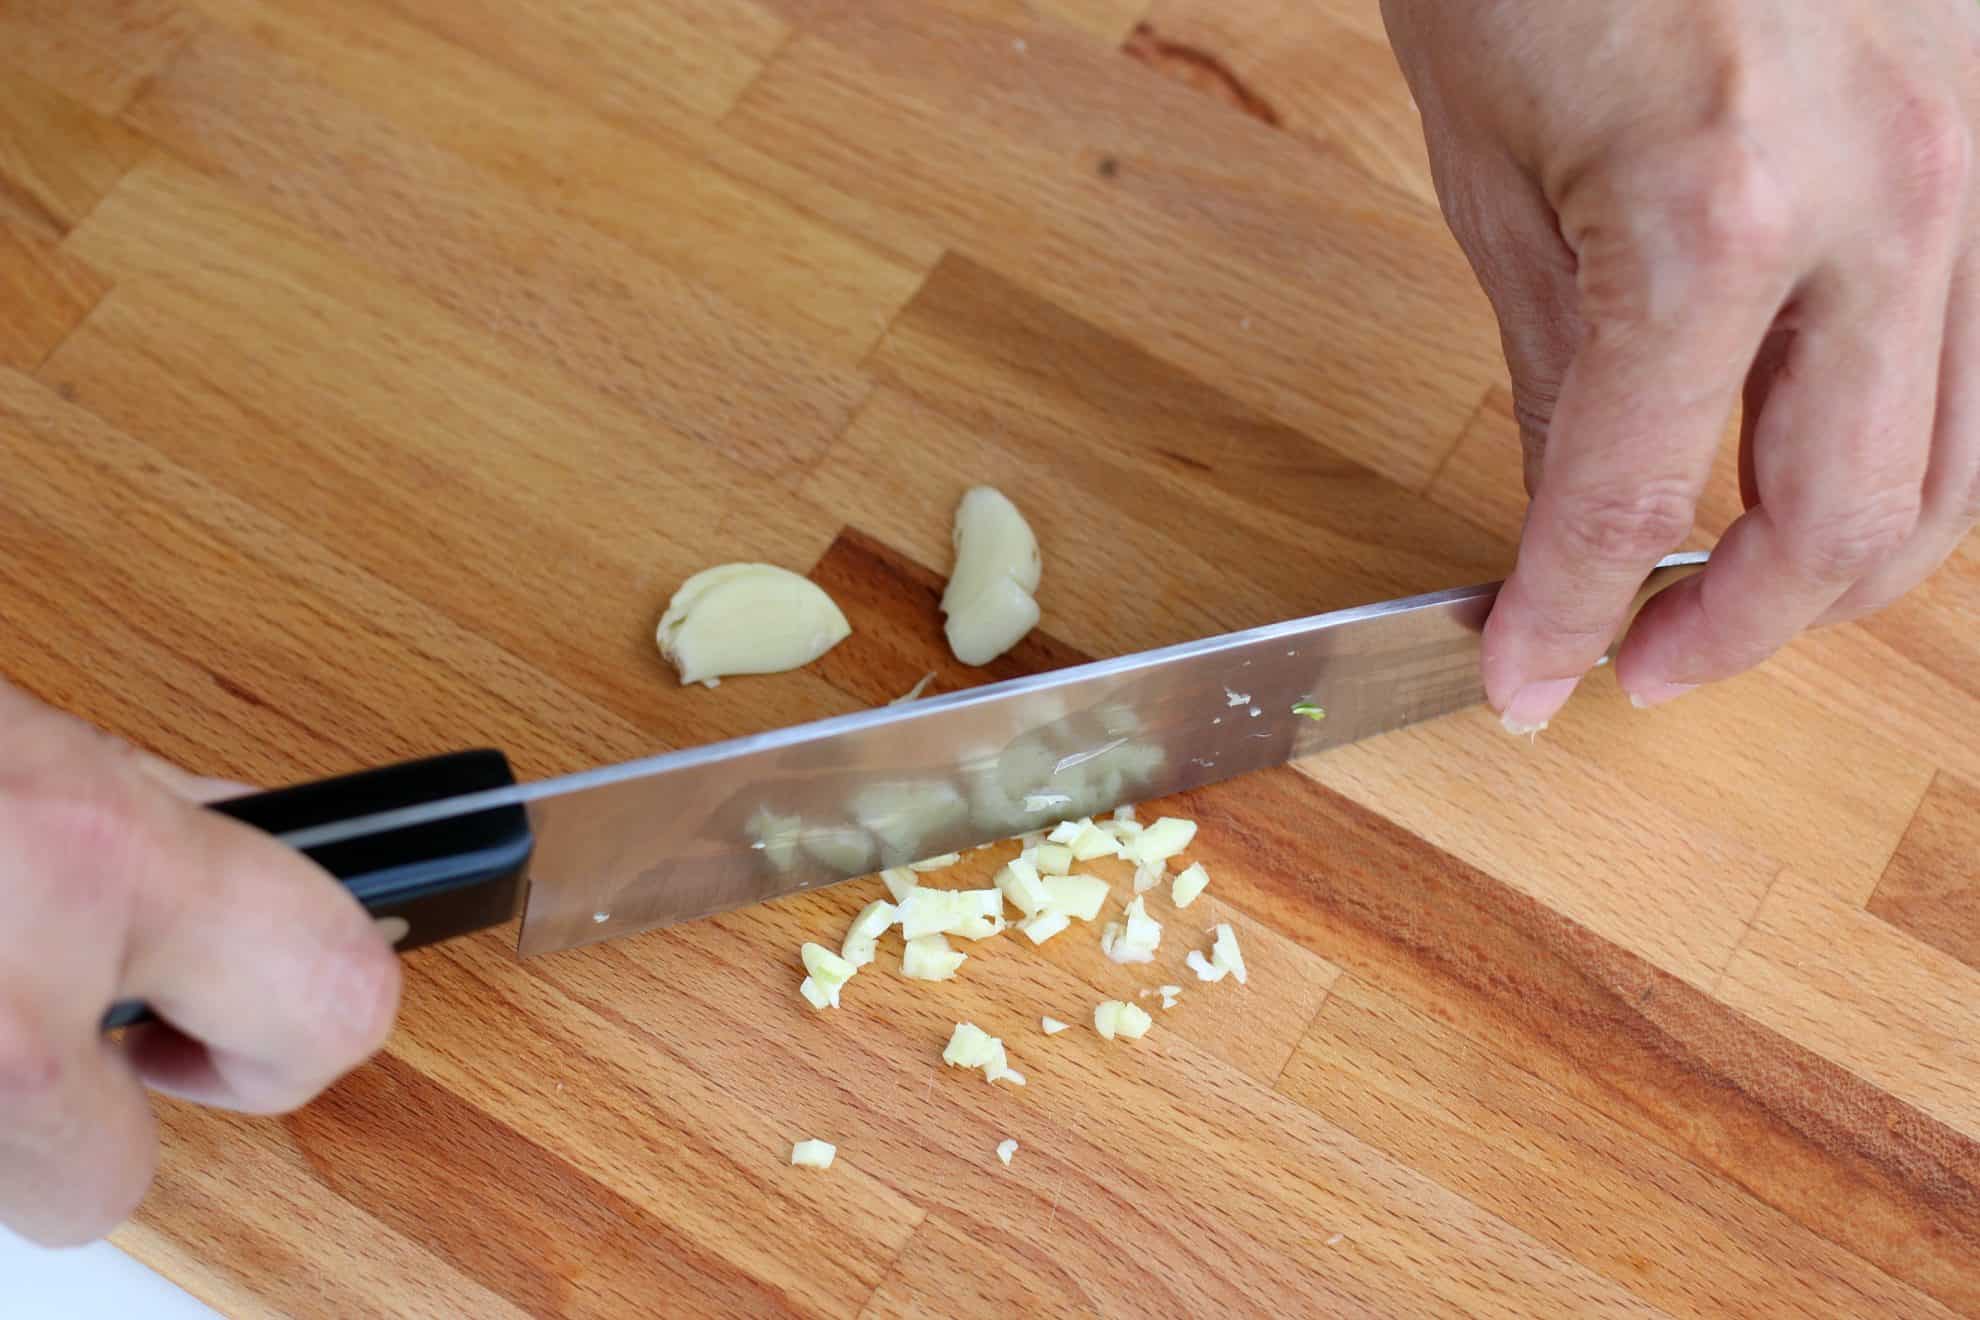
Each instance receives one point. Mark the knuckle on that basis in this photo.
(1619, 526)
(86, 838)
(1729, 209)
(1846, 547)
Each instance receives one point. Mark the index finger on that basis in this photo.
(272, 977)
(1672, 325)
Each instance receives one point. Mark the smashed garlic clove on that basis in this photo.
(930, 958)
(1079, 896)
(1053, 859)
(1042, 926)
(814, 1154)
(1189, 884)
(1225, 953)
(862, 941)
(1005, 1149)
(1052, 1026)
(1205, 970)
(747, 619)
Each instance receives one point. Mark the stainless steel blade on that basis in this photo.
(686, 834)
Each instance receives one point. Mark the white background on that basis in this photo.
(96, 1282)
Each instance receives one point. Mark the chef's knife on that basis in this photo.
(453, 844)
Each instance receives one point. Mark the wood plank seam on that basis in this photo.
(1897, 844)
(893, 1263)
(1484, 401)
(1278, 1078)
(1746, 932)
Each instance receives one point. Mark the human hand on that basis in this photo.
(113, 885)
(1668, 203)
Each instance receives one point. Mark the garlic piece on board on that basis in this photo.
(989, 600)
(747, 619)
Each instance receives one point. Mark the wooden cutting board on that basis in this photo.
(374, 370)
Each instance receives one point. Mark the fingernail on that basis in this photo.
(1533, 705)
(1657, 693)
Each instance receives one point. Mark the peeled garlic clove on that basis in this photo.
(989, 597)
(747, 619)
(995, 621)
(993, 541)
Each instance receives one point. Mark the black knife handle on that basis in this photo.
(442, 879)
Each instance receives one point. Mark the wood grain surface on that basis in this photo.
(370, 374)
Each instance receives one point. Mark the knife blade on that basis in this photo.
(453, 844)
